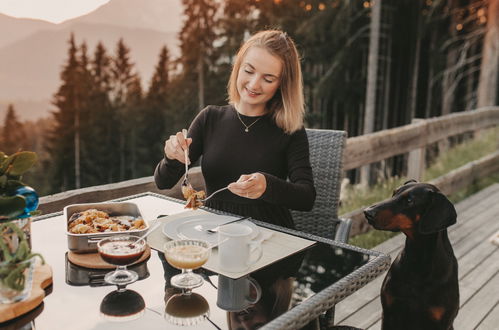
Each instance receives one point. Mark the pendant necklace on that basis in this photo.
(242, 122)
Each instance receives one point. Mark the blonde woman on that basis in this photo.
(256, 145)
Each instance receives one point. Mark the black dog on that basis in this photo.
(421, 289)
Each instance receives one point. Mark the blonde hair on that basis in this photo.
(287, 105)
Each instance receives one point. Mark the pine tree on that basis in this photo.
(196, 42)
(122, 77)
(13, 137)
(157, 117)
(101, 119)
(60, 140)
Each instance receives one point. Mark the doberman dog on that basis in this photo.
(421, 289)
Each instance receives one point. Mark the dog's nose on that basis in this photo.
(369, 214)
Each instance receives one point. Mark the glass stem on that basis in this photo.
(121, 268)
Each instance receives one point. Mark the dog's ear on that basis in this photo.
(440, 215)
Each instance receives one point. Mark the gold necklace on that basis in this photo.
(247, 126)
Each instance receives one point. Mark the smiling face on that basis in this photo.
(258, 80)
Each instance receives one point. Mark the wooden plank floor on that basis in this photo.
(478, 219)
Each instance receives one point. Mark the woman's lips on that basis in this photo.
(251, 93)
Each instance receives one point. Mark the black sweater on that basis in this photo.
(228, 152)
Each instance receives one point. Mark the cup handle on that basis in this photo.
(254, 246)
(258, 290)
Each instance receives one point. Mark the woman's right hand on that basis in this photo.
(175, 146)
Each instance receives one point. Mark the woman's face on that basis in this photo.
(258, 78)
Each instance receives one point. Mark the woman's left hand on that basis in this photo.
(250, 186)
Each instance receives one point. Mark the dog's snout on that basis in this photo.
(369, 213)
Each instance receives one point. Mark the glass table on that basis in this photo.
(290, 293)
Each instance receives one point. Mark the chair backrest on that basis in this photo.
(326, 158)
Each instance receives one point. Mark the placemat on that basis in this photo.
(94, 260)
(278, 246)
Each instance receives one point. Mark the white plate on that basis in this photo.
(195, 226)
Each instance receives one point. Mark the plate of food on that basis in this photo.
(196, 227)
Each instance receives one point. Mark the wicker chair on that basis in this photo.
(326, 158)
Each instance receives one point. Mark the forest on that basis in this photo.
(368, 66)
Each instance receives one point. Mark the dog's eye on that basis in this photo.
(410, 200)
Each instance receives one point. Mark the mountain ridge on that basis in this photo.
(30, 63)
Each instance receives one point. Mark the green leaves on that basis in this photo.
(12, 206)
(11, 169)
(18, 163)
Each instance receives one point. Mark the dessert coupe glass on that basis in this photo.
(121, 251)
(186, 255)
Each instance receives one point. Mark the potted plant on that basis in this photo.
(17, 203)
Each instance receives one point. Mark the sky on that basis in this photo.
(54, 11)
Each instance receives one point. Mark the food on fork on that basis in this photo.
(193, 197)
(95, 221)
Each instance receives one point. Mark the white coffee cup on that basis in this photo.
(236, 251)
(234, 295)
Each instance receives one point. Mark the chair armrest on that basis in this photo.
(343, 230)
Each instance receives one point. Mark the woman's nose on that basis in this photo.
(254, 82)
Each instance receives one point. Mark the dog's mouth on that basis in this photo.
(369, 217)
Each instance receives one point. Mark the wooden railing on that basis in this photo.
(360, 151)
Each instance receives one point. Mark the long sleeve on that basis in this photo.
(169, 171)
(298, 192)
(229, 151)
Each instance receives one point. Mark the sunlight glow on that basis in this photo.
(54, 11)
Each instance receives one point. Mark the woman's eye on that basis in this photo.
(247, 71)
(269, 81)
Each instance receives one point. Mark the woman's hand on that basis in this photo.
(250, 186)
(175, 146)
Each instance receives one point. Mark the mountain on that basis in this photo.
(161, 15)
(19, 28)
(32, 57)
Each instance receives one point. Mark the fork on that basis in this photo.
(215, 229)
(185, 182)
(219, 190)
(213, 193)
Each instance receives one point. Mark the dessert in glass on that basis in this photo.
(121, 251)
(186, 309)
(186, 255)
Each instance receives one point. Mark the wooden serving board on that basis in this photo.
(94, 261)
(42, 278)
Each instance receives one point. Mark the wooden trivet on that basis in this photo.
(94, 261)
(42, 278)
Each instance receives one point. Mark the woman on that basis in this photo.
(256, 145)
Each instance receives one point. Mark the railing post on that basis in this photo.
(416, 160)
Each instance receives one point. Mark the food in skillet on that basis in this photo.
(95, 221)
(194, 198)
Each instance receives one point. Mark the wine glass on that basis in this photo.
(121, 251)
(186, 309)
(186, 255)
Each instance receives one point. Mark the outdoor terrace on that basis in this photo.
(478, 261)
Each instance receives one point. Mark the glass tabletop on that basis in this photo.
(79, 298)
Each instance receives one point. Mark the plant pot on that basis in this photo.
(16, 280)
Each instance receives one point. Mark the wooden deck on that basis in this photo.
(478, 220)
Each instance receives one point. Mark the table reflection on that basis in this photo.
(78, 276)
(186, 309)
(122, 306)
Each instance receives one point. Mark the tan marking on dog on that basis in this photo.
(436, 313)
(388, 298)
